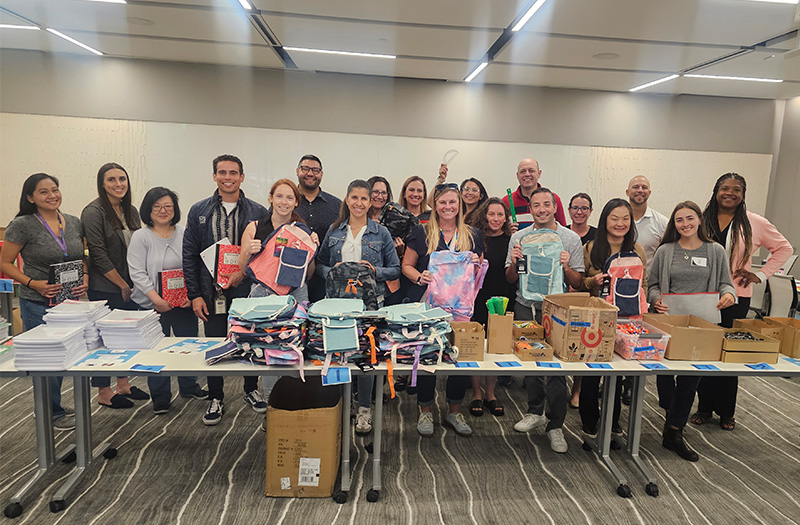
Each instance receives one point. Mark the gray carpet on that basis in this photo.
(172, 469)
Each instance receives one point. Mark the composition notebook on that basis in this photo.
(172, 287)
(226, 262)
(69, 275)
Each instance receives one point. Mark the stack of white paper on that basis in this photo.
(49, 348)
(80, 313)
(130, 330)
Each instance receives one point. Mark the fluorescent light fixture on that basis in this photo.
(527, 16)
(749, 79)
(653, 83)
(70, 39)
(331, 52)
(246, 5)
(777, 1)
(12, 26)
(477, 70)
(110, 1)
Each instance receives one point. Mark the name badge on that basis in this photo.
(699, 261)
(219, 305)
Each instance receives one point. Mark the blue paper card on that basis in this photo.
(189, 346)
(507, 364)
(105, 357)
(153, 369)
(705, 367)
(792, 360)
(337, 375)
(467, 364)
(654, 366)
(6, 286)
(547, 364)
(601, 366)
(759, 366)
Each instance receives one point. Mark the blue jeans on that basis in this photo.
(32, 314)
(365, 384)
(183, 323)
(115, 302)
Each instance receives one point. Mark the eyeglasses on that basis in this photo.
(166, 207)
(306, 169)
(467, 189)
(448, 186)
(584, 209)
(380, 193)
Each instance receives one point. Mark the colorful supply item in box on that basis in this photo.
(638, 340)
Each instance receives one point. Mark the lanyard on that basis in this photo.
(59, 239)
(453, 242)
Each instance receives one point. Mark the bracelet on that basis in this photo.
(29, 282)
(419, 279)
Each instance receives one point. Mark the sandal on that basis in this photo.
(494, 407)
(476, 407)
(727, 423)
(137, 394)
(118, 401)
(700, 418)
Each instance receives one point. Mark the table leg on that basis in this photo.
(377, 429)
(635, 433)
(603, 446)
(347, 395)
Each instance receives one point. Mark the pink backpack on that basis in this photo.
(627, 274)
(455, 283)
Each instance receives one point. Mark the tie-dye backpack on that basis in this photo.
(455, 284)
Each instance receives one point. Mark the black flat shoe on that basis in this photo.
(117, 401)
(137, 394)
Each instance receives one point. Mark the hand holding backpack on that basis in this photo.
(627, 276)
(353, 280)
(541, 249)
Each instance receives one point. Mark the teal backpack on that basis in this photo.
(542, 250)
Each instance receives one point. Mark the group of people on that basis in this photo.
(693, 251)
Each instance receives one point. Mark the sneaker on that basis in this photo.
(557, 441)
(529, 422)
(458, 423)
(588, 433)
(214, 413)
(425, 424)
(256, 401)
(197, 393)
(364, 420)
(65, 423)
(161, 407)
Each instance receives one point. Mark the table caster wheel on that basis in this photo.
(13, 510)
(70, 458)
(651, 489)
(624, 491)
(340, 497)
(57, 505)
(368, 448)
(372, 495)
(587, 447)
(110, 453)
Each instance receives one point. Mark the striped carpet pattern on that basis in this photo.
(172, 469)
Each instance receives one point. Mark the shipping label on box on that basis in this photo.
(579, 327)
(499, 337)
(470, 339)
(693, 338)
(533, 351)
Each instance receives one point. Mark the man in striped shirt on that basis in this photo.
(528, 173)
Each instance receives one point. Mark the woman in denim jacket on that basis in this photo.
(356, 238)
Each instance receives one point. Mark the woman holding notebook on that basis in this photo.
(155, 263)
(43, 236)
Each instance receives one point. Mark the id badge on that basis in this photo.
(522, 265)
(219, 304)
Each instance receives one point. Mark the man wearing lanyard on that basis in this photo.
(225, 214)
(528, 174)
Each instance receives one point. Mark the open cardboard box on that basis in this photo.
(750, 357)
(470, 339)
(693, 338)
(499, 333)
(527, 330)
(763, 343)
(579, 327)
(790, 344)
(524, 352)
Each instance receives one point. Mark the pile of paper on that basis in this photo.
(130, 330)
(49, 348)
(79, 313)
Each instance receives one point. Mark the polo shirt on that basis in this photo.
(522, 208)
(650, 229)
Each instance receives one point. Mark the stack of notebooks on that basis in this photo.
(79, 313)
(130, 330)
(49, 348)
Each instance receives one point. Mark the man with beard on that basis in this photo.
(650, 224)
(317, 208)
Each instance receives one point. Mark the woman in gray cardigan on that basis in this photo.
(108, 223)
(686, 262)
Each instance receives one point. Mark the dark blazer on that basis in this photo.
(107, 248)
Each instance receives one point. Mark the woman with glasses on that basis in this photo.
(580, 209)
(414, 198)
(473, 194)
(446, 230)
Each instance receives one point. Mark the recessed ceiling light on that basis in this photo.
(331, 52)
(13, 26)
(653, 83)
(528, 15)
(749, 79)
(137, 21)
(246, 5)
(606, 56)
(70, 39)
(777, 1)
(109, 1)
(476, 71)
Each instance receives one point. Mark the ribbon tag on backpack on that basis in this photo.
(351, 286)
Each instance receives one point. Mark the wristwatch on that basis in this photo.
(419, 279)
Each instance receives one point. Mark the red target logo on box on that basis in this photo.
(591, 337)
(547, 323)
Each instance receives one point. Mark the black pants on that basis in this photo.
(718, 394)
(676, 396)
(217, 326)
(454, 390)
(589, 408)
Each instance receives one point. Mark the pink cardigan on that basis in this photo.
(766, 235)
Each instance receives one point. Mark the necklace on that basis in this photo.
(685, 254)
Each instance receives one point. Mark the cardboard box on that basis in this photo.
(524, 352)
(790, 344)
(527, 330)
(773, 330)
(763, 343)
(16, 323)
(303, 451)
(750, 357)
(470, 339)
(499, 338)
(693, 339)
(579, 327)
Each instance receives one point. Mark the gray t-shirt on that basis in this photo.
(40, 250)
(572, 245)
(690, 270)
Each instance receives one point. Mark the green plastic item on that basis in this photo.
(511, 205)
(497, 305)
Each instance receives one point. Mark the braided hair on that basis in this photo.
(740, 225)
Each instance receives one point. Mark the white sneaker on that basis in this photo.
(529, 422)
(557, 441)
(364, 420)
